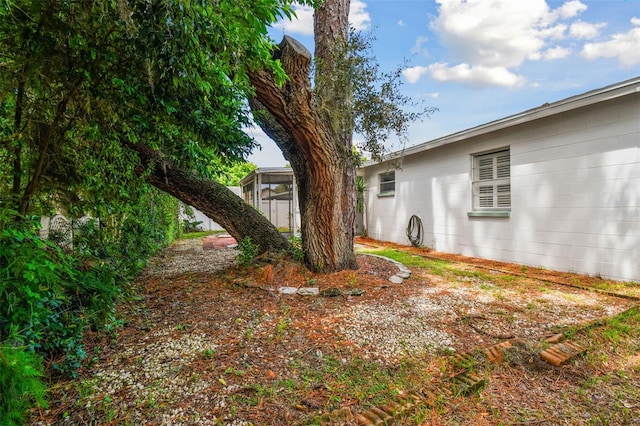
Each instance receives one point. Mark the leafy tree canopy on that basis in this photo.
(230, 174)
(376, 109)
(78, 79)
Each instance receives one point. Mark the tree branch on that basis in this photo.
(215, 200)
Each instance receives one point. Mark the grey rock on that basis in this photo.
(309, 291)
(288, 290)
(331, 292)
(353, 292)
(404, 274)
(395, 279)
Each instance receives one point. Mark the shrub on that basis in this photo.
(50, 296)
(191, 226)
(296, 250)
(247, 251)
(20, 384)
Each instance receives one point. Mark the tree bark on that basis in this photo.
(17, 149)
(317, 144)
(213, 199)
(44, 145)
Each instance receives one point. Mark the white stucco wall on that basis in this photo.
(575, 185)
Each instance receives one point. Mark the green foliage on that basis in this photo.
(49, 298)
(296, 248)
(189, 223)
(79, 80)
(247, 251)
(230, 174)
(376, 109)
(190, 226)
(360, 189)
(20, 384)
(435, 266)
(201, 234)
(50, 294)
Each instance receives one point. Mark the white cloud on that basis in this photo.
(475, 75)
(585, 30)
(401, 23)
(495, 33)
(557, 52)
(359, 18)
(302, 24)
(418, 46)
(489, 38)
(623, 46)
(555, 32)
(571, 9)
(413, 74)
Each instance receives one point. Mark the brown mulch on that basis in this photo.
(209, 339)
(567, 278)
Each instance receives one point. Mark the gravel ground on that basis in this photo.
(188, 257)
(197, 324)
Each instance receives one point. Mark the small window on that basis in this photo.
(492, 181)
(387, 184)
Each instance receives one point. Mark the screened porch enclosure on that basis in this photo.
(273, 191)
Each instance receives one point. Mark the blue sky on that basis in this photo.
(481, 60)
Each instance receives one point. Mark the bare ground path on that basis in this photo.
(211, 343)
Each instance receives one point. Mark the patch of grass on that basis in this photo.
(284, 321)
(469, 274)
(613, 353)
(234, 371)
(352, 280)
(435, 266)
(99, 408)
(252, 395)
(506, 278)
(628, 288)
(333, 381)
(371, 383)
(622, 326)
(181, 327)
(200, 234)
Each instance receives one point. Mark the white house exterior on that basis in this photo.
(556, 186)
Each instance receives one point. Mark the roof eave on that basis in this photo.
(610, 92)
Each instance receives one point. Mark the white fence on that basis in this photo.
(63, 228)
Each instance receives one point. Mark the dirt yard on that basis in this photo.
(210, 343)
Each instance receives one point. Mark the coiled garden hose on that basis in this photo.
(414, 231)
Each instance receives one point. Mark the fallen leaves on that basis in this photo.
(234, 350)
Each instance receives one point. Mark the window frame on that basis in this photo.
(382, 183)
(491, 183)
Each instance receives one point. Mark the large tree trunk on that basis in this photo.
(316, 142)
(321, 162)
(213, 199)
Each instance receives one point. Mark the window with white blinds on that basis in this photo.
(492, 180)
